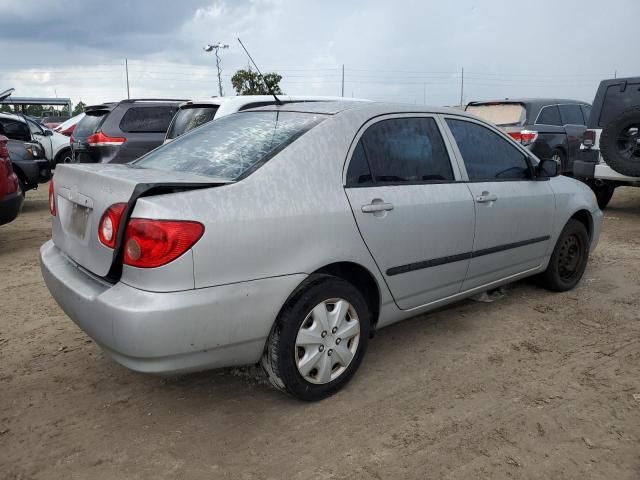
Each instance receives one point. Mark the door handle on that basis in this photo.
(486, 197)
(377, 207)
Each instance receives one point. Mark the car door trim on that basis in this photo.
(411, 267)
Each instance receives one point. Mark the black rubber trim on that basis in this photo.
(462, 256)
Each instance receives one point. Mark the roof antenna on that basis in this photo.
(269, 89)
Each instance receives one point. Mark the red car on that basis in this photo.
(11, 197)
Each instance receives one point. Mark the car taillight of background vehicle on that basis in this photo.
(52, 199)
(589, 139)
(108, 226)
(153, 243)
(99, 139)
(525, 137)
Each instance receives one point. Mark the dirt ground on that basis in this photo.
(534, 385)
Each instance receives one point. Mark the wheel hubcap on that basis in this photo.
(570, 258)
(327, 341)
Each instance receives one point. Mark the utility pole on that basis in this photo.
(216, 48)
(462, 87)
(615, 74)
(126, 69)
(342, 94)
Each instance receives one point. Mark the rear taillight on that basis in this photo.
(153, 243)
(71, 139)
(99, 139)
(108, 226)
(589, 139)
(525, 137)
(52, 199)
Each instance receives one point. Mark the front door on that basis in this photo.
(574, 126)
(514, 211)
(417, 222)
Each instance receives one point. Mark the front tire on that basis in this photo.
(319, 339)
(569, 258)
(603, 194)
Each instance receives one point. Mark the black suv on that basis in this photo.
(549, 127)
(120, 132)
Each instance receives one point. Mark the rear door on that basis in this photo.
(417, 222)
(514, 212)
(143, 126)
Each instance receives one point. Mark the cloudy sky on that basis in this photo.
(407, 51)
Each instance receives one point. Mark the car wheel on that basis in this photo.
(603, 194)
(23, 190)
(559, 156)
(63, 157)
(319, 339)
(620, 143)
(569, 258)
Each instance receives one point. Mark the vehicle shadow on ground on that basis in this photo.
(34, 205)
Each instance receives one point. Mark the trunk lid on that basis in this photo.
(84, 192)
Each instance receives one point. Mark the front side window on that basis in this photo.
(147, 119)
(15, 130)
(35, 128)
(571, 115)
(486, 155)
(406, 150)
(549, 116)
(232, 146)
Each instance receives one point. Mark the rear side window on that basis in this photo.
(486, 155)
(571, 115)
(233, 146)
(503, 114)
(15, 130)
(549, 116)
(359, 173)
(189, 118)
(147, 119)
(406, 150)
(89, 124)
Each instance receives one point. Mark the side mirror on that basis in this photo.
(48, 133)
(548, 168)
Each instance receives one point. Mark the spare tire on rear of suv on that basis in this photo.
(620, 143)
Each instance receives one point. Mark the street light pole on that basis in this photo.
(216, 48)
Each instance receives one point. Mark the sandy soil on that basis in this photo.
(534, 385)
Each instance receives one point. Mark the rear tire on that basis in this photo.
(569, 258)
(315, 346)
(559, 156)
(603, 194)
(620, 143)
(63, 157)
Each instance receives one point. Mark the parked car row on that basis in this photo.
(288, 233)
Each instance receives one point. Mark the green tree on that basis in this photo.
(5, 108)
(248, 82)
(35, 110)
(79, 108)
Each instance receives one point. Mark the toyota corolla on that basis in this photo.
(287, 235)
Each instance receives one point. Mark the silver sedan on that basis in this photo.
(287, 235)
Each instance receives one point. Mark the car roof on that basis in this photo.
(12, 116)
(367, 108)
(533, 101)
(239, 100)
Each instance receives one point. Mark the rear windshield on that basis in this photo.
(233, 146)
(89, 124)
(189, 118)
(502, 114)
(148, 119)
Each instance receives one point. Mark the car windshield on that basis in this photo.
(501, 114)
(189, 118)
(233, 146)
